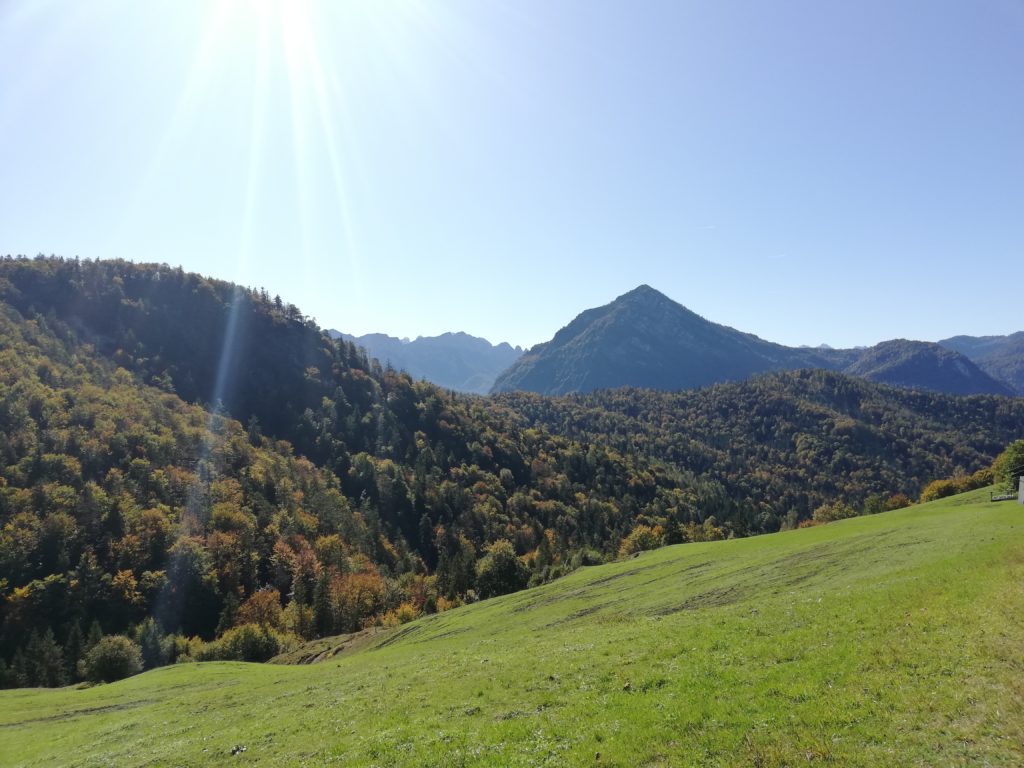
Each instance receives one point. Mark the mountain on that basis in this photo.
(912, 364)
(644, 339)
(455, 361)
(1002, 357)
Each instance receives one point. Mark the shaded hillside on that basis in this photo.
(921, 364)
(644, 339)
(455, 361)
(1002, 357)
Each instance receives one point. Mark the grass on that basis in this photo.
(893, 640)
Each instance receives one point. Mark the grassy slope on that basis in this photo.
(890, 640)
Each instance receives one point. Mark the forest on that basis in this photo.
(190, 469)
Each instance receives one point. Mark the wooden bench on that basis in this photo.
(1002, 496)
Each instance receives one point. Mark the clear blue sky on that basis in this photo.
(806, 170)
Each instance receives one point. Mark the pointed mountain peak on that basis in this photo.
(644, 291)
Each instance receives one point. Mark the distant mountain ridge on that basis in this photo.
(645, 339)
(1001, 357)
(455, 361)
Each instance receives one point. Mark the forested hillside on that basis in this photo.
(119, 500)
(784, 443)
(920, 364)
(182, 459)
(999, 356)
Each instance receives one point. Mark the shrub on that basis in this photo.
(248, 642)
(500, 571)
(938, 489)
(1009, 465)
(640, 539)
(897, 501)
(828, 513)
(406, 612)
(114, 657)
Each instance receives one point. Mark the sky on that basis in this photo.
(812, 171)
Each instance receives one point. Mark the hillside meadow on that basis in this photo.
(894, 639)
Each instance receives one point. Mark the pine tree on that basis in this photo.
(228, 613)
(151, 638)
(94, 636)
(18, 674)
(322, 619)
(45, 660)
(74, 648)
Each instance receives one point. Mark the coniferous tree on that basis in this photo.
(74, 647)
(94, 636)
(322, 619)
(44, 660)
(152, 645)
(228, 613)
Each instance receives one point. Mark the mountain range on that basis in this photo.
(1002, 357)
(455, 361)
(645, 339)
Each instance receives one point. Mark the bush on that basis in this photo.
(1009, 465)
(640, 539)
(403, 614)
(828, 513)
(248, 642)
(938, 489)
(114, 657)
(897, 501)
(584, 557)
(500, 571)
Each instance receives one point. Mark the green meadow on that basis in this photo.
(892, 640)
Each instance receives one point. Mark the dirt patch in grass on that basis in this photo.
(406, 631)
(76, 713)
(712, 598)
(580, 614)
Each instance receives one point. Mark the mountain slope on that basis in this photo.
(121, 501)
(904, 363)
(644, 339)
(1002, 357)
(455, 361)
(786, 442)
(884, 640)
